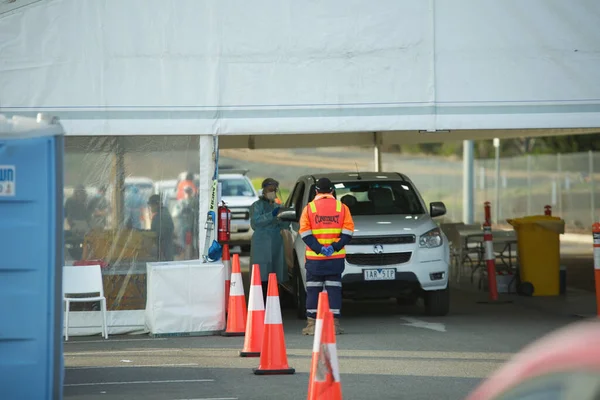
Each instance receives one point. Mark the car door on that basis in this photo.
(297, 204)
(290, 236)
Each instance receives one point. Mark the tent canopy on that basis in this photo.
(183, 67)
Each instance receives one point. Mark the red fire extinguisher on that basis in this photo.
(224, 224)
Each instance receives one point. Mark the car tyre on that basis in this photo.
(437, 302)
(300, 293)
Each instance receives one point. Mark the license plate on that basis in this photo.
(233, 229)
(380, 274)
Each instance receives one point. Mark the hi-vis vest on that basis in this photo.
(327, 221)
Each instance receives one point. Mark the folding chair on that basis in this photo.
(83, 280)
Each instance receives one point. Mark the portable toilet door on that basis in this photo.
(31, 258)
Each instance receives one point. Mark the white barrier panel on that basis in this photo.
(185, 298)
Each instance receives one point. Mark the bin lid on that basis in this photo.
(548, 222)
(20, 127)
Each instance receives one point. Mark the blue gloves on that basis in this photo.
(275, 211)
(327, 251)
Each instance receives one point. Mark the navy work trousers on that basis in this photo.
(315, 284)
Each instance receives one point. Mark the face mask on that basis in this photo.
(270, 195)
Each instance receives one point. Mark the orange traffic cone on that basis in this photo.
(273, 357)
(255, 324)
(324, 380)
(236, 317)
(227, 263)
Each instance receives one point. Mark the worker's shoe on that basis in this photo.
(310, 327)
(338, 328)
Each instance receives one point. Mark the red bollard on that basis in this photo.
(547, 210)
(487, 207)
(596, 235)
(490, 258)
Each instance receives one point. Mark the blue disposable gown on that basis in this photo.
(267, 244)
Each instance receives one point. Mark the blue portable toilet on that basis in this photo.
(31, 258)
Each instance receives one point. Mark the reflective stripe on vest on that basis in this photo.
(326, 236)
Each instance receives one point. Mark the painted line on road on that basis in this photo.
(226, 352)
(138, 382)
(214, 398)
(417, 323)
(113, 341)
(95, 353)
(136, 366)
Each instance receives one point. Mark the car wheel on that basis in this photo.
(300, 293)
(246, 249)
(437, 302)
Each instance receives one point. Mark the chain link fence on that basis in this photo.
(569, 183)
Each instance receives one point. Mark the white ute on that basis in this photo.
(397, 249)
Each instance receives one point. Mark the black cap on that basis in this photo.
(324, 185)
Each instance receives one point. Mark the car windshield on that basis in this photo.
(236, 187)
(378, 198)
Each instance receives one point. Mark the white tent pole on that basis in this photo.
(377, 152)
(468, 179)
(207, 168)
(496, 216)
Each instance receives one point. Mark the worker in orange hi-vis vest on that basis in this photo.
(326, 227)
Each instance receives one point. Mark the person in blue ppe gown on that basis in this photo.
(267, 243)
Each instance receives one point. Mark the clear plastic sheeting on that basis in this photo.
(109, 215)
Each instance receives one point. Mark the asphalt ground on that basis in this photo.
(388, 352)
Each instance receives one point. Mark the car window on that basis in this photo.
(295, 199)
(236, 187)
(377, 197)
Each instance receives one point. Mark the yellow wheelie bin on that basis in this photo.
(539, 252)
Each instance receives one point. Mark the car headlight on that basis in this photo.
(431, 239)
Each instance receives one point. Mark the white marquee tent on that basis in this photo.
(271, 74)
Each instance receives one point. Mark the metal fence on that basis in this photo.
(569, 183)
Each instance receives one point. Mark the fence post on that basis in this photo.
(592, 186)
(528, 184)
(559, 184)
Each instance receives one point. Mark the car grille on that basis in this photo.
(240, 214)
(401, 239)
(379, 259)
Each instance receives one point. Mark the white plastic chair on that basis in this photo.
(85, 279)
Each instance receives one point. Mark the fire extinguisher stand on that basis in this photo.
(490, 259)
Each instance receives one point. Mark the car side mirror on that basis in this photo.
(437, 209)
(288, 215)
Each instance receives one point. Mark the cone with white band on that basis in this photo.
(236, 317)
(273, 354)
(226, 257)
(324, 379)
(256, 317)
(596, 236)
